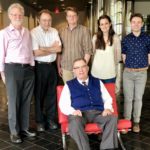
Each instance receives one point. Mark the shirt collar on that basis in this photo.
(12, 28)
(81, 81)
(43, 30)
(137, 36)
(73, 28)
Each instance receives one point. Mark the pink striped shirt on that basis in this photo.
(15, 47)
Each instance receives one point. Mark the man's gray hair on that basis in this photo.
(15, 5)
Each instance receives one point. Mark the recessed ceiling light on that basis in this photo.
(61, 0)
(34, 2)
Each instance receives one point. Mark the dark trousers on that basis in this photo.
(45, 92)
(19, 85)
(108, 125)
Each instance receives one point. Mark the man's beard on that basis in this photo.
(17, 22)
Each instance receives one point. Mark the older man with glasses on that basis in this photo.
(46, 45)
(16, 67)
(85, 99)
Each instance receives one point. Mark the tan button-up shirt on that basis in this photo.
(76, 43)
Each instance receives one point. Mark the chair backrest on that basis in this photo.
(111, 89)
(109, 86)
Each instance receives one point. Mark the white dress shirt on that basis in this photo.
(65, 99)
(40, 38)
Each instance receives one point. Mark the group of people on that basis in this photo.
(27, 66)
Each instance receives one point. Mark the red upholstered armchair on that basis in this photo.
(92, 128)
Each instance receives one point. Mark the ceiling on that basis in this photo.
(60, 5)
(56, 5)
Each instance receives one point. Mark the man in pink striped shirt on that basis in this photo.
(16, 67)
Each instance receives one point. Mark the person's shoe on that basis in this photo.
(136, 127)
(52, 125)
(40, 127)
(28, 134)
(15, 139)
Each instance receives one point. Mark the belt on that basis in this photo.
(18, 64)
(42, 62)
(136, 69)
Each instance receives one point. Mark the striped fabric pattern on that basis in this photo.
(76, 43)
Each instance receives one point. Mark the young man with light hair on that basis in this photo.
(135, 53)
(76, 43)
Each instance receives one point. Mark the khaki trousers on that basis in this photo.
(133, 88)
(67, 75)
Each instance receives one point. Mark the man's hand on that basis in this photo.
(60, 71)
(123, 58)
(149, 59)
(106, 112)
(77, 113)
(56, 43)
(55, 47)
(3, 76)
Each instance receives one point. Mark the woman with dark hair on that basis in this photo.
(107, 51)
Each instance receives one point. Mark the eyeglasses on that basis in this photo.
(16, 15)
(80, 67)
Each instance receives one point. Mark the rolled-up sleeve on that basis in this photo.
(87, 42)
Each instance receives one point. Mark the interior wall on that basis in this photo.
(1, 21)
(59, 20)
(29, 20)
(142, 7)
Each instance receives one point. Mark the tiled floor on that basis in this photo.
(51, 140)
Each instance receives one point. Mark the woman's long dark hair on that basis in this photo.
(100, 43)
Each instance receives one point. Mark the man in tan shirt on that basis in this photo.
(76, 42)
